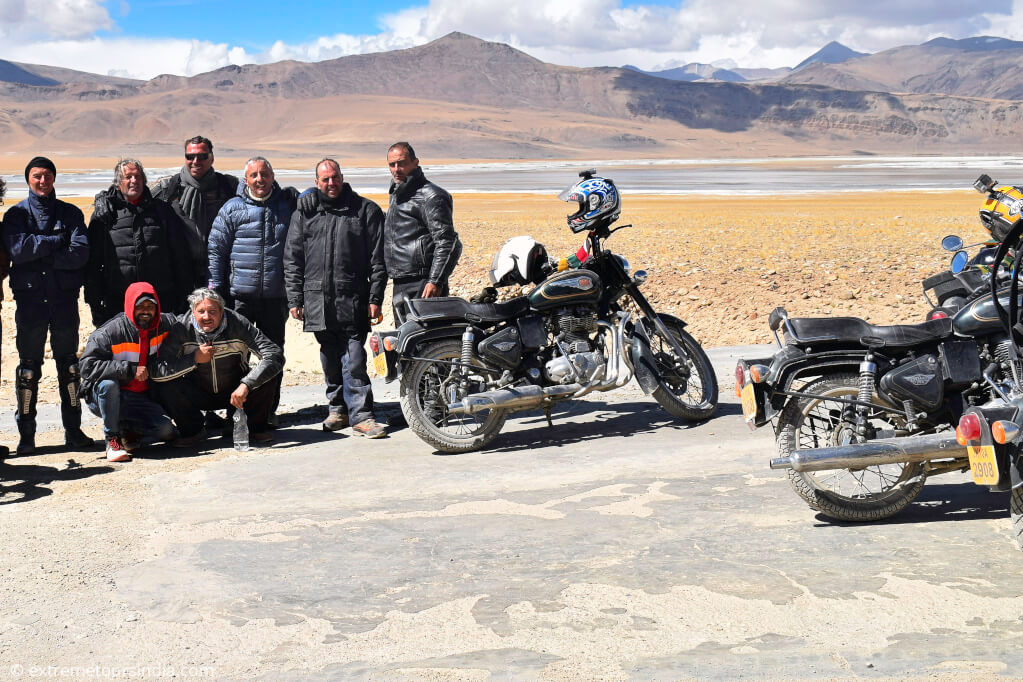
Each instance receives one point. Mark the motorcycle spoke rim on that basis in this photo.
(685, 384)
(823, 425)
(430, 392)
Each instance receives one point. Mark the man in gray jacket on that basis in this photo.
(421, 247)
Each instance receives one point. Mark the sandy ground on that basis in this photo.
(720, 264)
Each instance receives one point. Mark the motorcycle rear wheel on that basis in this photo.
(688, 388)
(1016, 511)
(424, 405)
(868, 494)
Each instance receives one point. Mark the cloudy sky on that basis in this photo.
(144, 38)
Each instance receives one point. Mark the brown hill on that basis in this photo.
(463, 97)
(976, 67)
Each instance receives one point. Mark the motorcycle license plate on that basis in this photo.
(983, 464)
(380, 364)
(749, 403)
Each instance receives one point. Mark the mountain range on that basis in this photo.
(461, 97)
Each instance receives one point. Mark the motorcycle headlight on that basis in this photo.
(625, 263)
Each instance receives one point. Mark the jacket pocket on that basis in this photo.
(26, 282)
(312, 303)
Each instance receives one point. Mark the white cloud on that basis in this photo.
(761, 33)
(24, 20)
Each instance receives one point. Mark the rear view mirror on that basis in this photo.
(952, 242)
(959, 261)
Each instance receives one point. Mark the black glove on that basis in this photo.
(487, 295)
(308, 201)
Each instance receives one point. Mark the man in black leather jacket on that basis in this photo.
(421, 247)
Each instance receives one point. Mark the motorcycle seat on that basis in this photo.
(838, 330)
(455, 308)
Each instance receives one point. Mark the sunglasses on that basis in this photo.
(201, 156)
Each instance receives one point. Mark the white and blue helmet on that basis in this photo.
(598, 201)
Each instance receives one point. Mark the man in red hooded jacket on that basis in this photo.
(115, 373)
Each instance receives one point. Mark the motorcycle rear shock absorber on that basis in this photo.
(866, 393)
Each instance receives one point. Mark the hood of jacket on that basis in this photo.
(131, 297)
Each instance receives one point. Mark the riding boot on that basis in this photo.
(26, 389)
(70, 384)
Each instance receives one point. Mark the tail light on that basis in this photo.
(937, 315)
(374, 344)
(968, 429)
(1004, 431)
(740, 378)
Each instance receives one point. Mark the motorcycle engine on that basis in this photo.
(573, 327)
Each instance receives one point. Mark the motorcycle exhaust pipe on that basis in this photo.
(873, 453)
(514, 398)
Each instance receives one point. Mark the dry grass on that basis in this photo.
(721, 264)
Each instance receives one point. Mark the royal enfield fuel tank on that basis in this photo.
(980, 316)
(571, 287)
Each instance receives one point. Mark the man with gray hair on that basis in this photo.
(134, 237)
(204, 365)
(246, 251)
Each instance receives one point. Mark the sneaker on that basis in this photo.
(335, 421)
(116, 453)
(131, 441)
(189, 441)
(370, 429)
(76, 438)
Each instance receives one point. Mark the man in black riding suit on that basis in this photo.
(49, 248)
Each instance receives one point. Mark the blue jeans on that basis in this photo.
(343, 357)
(128, 411)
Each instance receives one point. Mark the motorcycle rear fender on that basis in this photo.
(412, 334)
(643, 362)
(791, 363)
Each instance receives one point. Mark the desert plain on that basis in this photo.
(720, 263)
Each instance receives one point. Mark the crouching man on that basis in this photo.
(116, 373)
(204, 365)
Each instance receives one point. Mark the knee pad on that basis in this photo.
(27, 374)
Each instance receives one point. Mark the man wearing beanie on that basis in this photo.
(49, 248)
(335, 278)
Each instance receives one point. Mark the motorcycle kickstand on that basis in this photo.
(547, 413)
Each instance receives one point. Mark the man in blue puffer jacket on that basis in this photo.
(246, 250)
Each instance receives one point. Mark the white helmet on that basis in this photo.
(519, 261)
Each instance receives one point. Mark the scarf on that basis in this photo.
(209, 337)
(192, 194)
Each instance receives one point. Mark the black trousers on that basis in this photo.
(404, 289)
(185, 400)
(268, 315)
(35, 318)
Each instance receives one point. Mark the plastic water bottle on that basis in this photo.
(241, 430)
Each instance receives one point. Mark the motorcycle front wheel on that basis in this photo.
(687, 387)
(425, 388)
(868, 494)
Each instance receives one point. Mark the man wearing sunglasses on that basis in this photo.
(197, 194)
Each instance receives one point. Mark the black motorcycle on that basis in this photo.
(465, 366)
(865, 413)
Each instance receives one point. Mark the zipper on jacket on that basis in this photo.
(213, 369)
